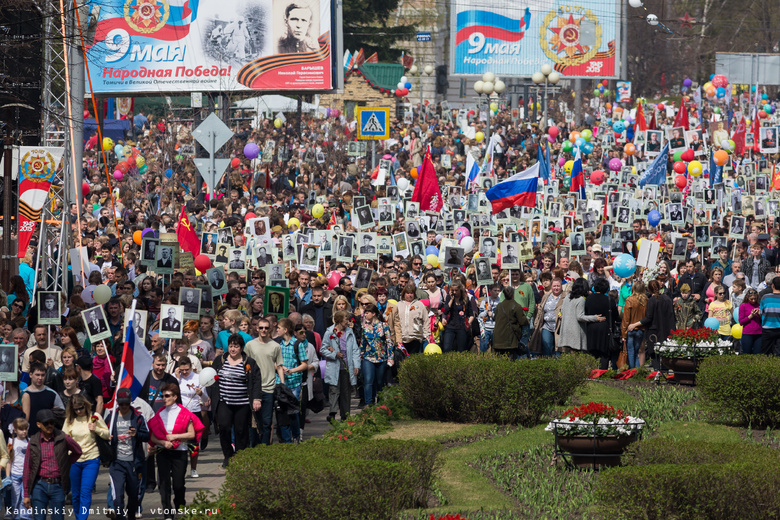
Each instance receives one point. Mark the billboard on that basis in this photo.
(578, 38)
(156, 46)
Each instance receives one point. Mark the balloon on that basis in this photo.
(597, 177)
(108, 143)
(207, 377)
(404, 79)
(736, 331)
(624, 265)
(86, 114)
(687, 155)
(574, 136)
(277, 123)
(84, 188)
(679, 167)
(143, 169)
(736, 314)
(202, 263)
(562, 159)
(137, 237)
(432, 349)
(118, 175)
(333, 279)
(660, 106)
(404, 91)
(467, 243)
(587, 148)
(639, 244)
(654, 217)
(86, 294)
(402, 184)
(461, 232)
(249, 215)
(119, 151)
(293, 222)
(586, 134)
(251, 150)
(408, 86)
(479, 136)
(101, 294)
(140, 161)
(130, 161)
(318, 210)
(721, 157)
(680, 181)
(169, 172)
(568, 166)
(629, 149)
(615, 164)
(720, 81)
(762, 114)
(579, 142)
(432, 250)
(553, 131)
(720, 92)
(122, 167)
(391, 302)
(148, 232)
(712, 323)
(494, 107)
(695, 168)
(567, 146)
(618, 127)
(687, 82)
(433, 260)
(413, 173)
(235, 163)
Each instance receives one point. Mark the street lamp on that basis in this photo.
(489, 85)
(414, 71)
(546, 75)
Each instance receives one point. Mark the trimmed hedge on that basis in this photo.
(371, 480)
(660, 450)
(746, 388)
(465, 387)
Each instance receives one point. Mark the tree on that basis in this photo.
(366, 27)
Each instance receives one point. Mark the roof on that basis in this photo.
(382, 75)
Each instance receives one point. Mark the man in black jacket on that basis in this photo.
(695, 280)
(129, 434)
(321, 311)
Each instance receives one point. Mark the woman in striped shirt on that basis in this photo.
(238, 391)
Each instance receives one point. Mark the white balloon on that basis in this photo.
(402, 184)
(400, 85)
(207, 377)
(468, 243)
(404, 79)
(635, 3)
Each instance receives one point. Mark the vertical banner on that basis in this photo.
(37, 166)
(623, 91)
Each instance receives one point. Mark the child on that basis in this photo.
(15, 468)
(721, 309)
(737, 292)
(686, 310)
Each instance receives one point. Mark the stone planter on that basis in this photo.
(684, 368)
(595, 452)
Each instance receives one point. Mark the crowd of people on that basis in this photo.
(322, 275)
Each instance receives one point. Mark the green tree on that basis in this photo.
(366, 26)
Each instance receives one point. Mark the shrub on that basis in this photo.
(464, 387)
(743, 387)
(326, 480)
(695, 491)
(661, 450)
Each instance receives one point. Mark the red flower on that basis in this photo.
(332, 336)
(525, 309)
(216, 377)
(339, 334)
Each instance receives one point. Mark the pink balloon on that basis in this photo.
(615, 164)
(461, 232)
(553, 131)
(333, 279)
(118, 175)
(550, 138)
(561, 161)
(387, 157)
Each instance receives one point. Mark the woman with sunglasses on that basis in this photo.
(722, 310)
(171, 429)
(750, 319)
(17, 316)
(83, 426)
(376, 351)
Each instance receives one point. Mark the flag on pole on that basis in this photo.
(577, 177)
(656, 172)
(739, 137)
(347, 60)
(374, 58)
(332, 222)
(681, 119)
(427, 191)
(188, 237)
(543, 158)
(407, 60)
(360, 58)
(518, 190)
(716, 172)
(472, 170)
(652, 124)
(641, 122)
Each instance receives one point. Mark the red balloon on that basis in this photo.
(660, 106)
(398, 92)
(720, 81)
(249, 216)
(679, 167)
(404, 91)
(130, 161)
(687, 155)
(202, 263)
(597, 177)
(86, 114)
(680, 181)
(122, 167)
(235, 163)
(553, 131)
(605, 83)
(85, 188)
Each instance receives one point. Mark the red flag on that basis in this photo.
(360, 59)
(739, 137)
(652, 125)
(775, 177)
(268, 177)
(407, 61)
(332, 221)
(188, 238)
(427, 191)
(681, 119)
(641, 122)
(756, 126)
(374, 58)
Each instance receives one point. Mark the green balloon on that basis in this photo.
(567, 182)
(567, 146)
(716, 110)
(596, 92)
(143, 169)
(606, 92)
(677, 156)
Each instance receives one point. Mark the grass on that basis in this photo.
(435, 431)
(603, 393)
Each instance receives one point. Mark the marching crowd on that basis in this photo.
(282, 334)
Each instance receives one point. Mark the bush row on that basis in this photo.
(746, 388)
(465, 387)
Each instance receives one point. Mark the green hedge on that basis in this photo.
(745, 388)
(661, 450)
(465, 387)
(322, 480)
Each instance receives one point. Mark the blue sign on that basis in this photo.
(423, 36)
(373, 123)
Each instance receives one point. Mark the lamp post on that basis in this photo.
(414, 71)
(546, 75)
(489, 85)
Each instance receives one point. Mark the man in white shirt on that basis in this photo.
(267, 353)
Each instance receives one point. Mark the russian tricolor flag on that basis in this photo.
(517, 190)
(577, 177)
(136, 360)
(472, 170)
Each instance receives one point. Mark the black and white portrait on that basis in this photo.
(9, 362)
(225, 236)
(49, 312)
(139, 322)
(453, 257)
(484, 272)
(367, 245)
(237, 261)
(413, 229)
(274, 272)
(577, 244)
(222, 256)
(288, 248)
(417, 248)
(263, 256)
(702, 234)
(171, 321)
(216, 279)
(364, 217)
(189, 298)
(164, 260)
(310, 257)
(149, 246)
(678, 252)
(363, 278)
(299, 29)
(737, 227)
(97, 326)
(675, 213)
(344, 249)
(412, 210)
(510, 258)
(487, 248)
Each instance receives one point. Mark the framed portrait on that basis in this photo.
(189, 298)
(9, 362)
(367, 246)
(453, 256)
(264, 255)
(171, 321)
(526, 250)
(324, 238)
(487, 248)
(289, 253)
(237, 259)
(695, 141)
(446, 161)
(676, 137)
(140, 322)
(487, 183)
(208, 244)
(149, 247)
(259, 227)
(206, 300)
(344, 249)
(274, 273)
(363, 278)
(217, 281)
(384, 245)
(589, 222)
(768, 139)
(484, 271)
(401, 244)
(417, 247)
(510, 256)
(737, 227)
(164, 261)
(365, 218)
(473, 203)
(310, 257)
(386, 215)
(679, 248)
(577, 244)
(223, 254)
(412, 210)
(225, 236)
(654, 142)
(717, 243)
(702, 236)
(96, 324)
(276, 301)
(392, 194)
(49, 310)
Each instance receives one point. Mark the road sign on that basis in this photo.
(212, 133)
(211, 170)
(423, 36)
(373, 123)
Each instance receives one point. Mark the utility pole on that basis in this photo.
(76, 101)
(8, 258)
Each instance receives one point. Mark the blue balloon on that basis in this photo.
(712, 323)
(624, 265)
(587, 148)
(119, 150)
(618, 126)
(168, 173)
(579, 142)
(753, 88)
(432, 250)
(765, 96)
(720, 92)
(736, 315)
(408, 85)
(654, 217)
(712, 76)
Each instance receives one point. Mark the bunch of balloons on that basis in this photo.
(404, 87)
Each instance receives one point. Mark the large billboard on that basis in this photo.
(578, 38)
(156, 46)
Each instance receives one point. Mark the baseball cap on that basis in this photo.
(597, 248)
(44, 416)
(123, 396)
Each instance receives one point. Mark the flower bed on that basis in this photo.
(595, 420)
(701, 342)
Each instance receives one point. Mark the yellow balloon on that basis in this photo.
(318, 210)
(639, 243)
(127, 150)
(493, 106)
(431, 349)
(222, 224)
(293, 222)
(736, 331)
(108, 143)
(140, 161)
(392, 302)
(433, 260)
(568, 165)
(695, 168)
(479, 136)
(278, 123)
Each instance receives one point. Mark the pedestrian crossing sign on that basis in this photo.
(373, 123)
